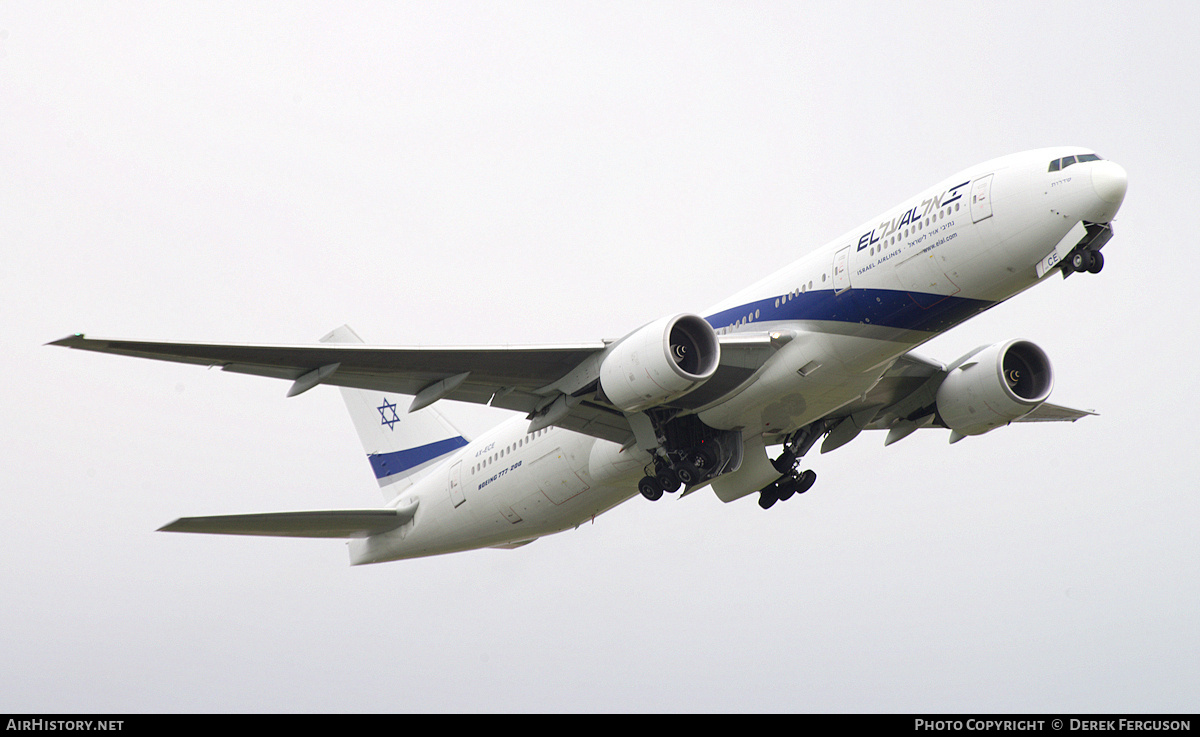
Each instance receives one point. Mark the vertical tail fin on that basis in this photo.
(400, 446)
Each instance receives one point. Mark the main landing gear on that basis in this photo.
(711, 454)
(691, 468)
(652, 487)
(688, 453)
(785, 487)
(792, 480)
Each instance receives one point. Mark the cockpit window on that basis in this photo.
(1066, 161)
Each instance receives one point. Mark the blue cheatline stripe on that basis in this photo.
(390, 464)
(887, 308)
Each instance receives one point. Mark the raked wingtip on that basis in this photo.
(70, 341)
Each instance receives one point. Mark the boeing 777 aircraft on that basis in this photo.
(820, 349)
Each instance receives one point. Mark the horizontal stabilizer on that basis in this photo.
(333, 523)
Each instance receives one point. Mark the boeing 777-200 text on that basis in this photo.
(820, 349)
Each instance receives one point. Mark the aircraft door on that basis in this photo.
(981, 199)
(456, 489)
(841, 270)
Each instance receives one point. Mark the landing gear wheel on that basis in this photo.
(650, 488)
(805, 481)
(784, 463)
(704, 459)
(688, 474)
(1084, 261)
(1097, 263)
(768, 496)
(668, 480)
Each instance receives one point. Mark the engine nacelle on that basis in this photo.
(659, 362)
(994, 386)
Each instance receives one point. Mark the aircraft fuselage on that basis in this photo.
(852, 307)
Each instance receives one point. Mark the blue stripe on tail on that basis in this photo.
(390, 464)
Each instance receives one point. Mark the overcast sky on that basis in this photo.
(456, 173)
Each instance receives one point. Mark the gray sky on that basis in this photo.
(541, 172)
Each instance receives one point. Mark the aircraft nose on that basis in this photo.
(1110, 181)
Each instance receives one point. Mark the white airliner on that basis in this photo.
(818, 350)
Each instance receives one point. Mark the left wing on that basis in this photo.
(553, 384)
(503, 376)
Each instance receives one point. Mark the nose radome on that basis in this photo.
(1110, 181)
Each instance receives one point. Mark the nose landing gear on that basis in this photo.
(1086, 260)
(1086, 255)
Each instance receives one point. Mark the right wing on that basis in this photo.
(1047, 412)
(905, 400)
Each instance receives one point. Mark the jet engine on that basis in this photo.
(994, 386)
(659, 362)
